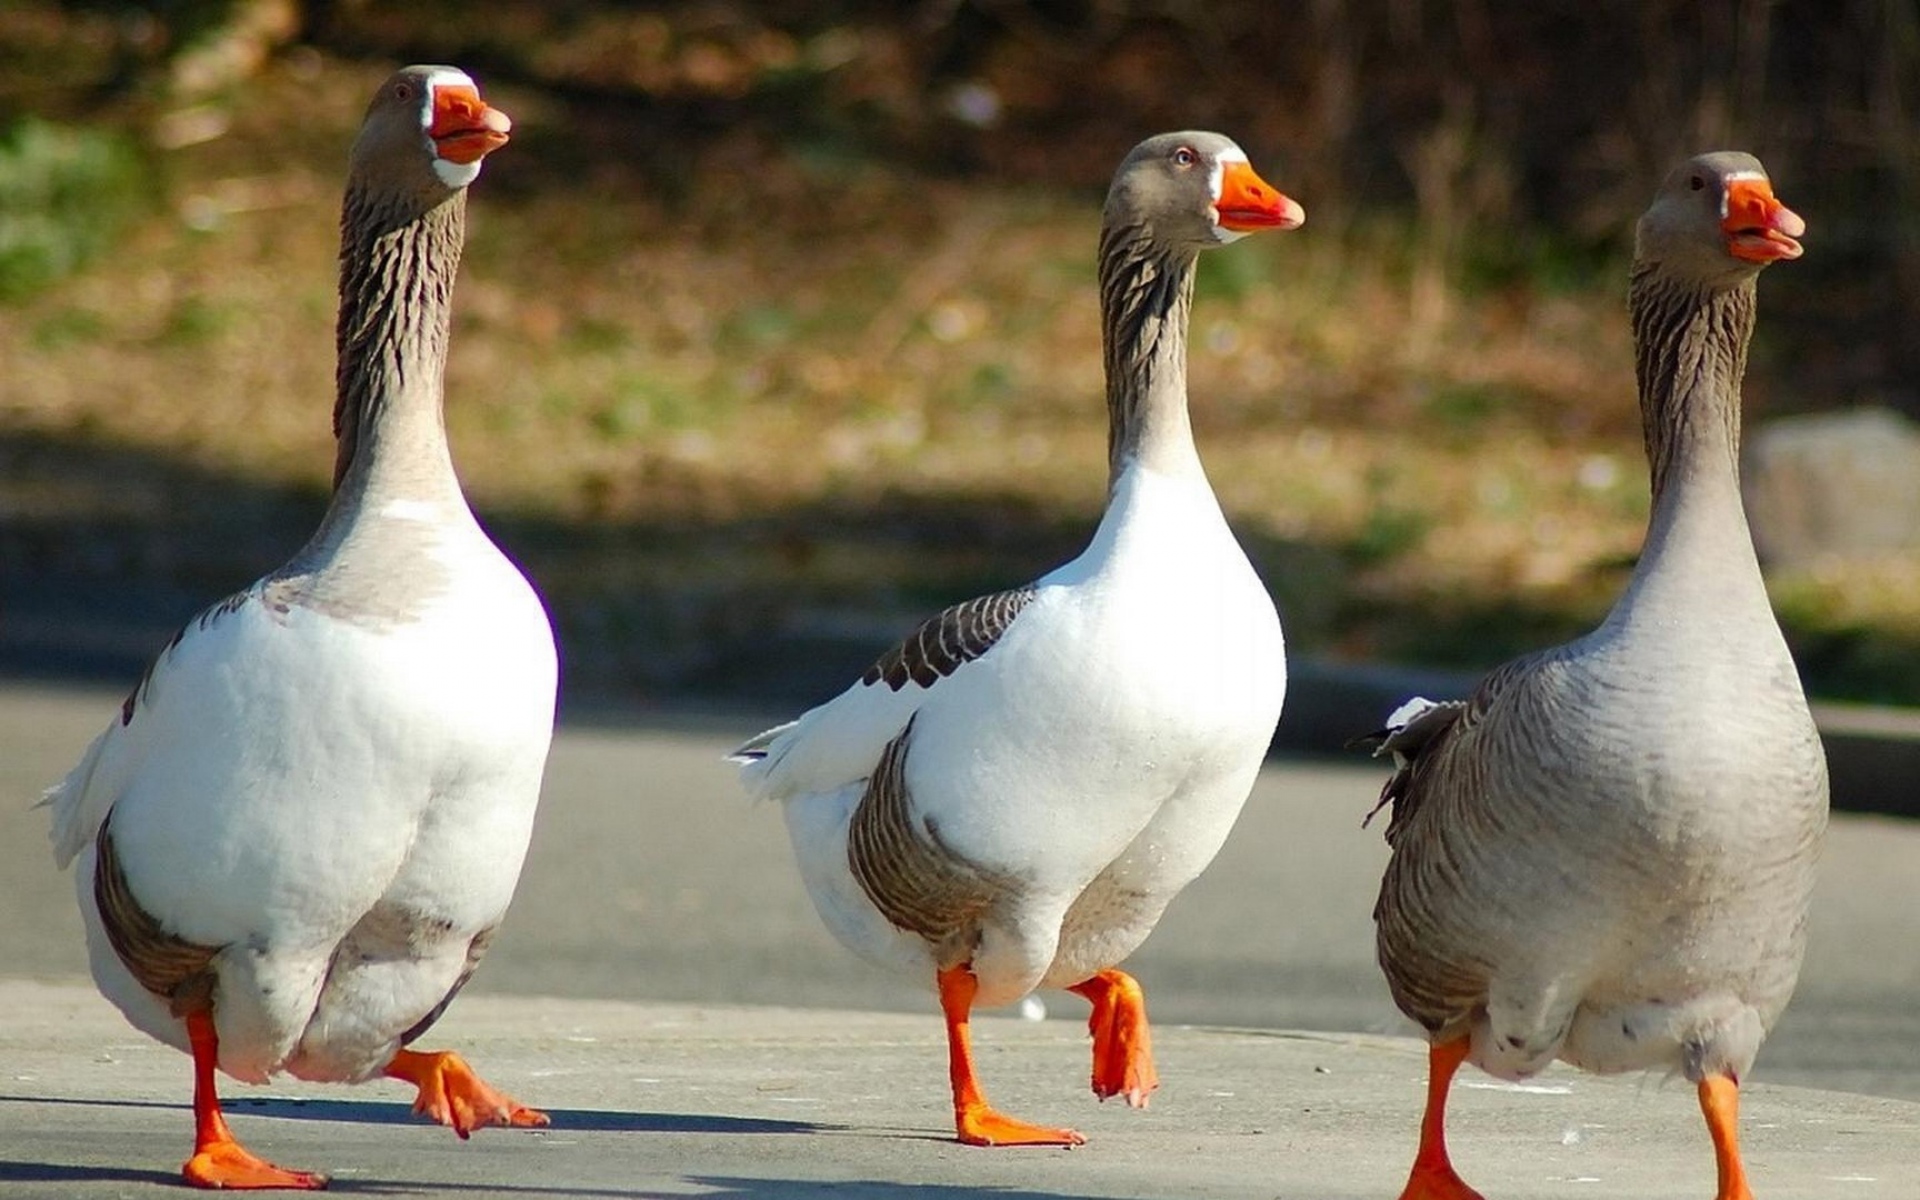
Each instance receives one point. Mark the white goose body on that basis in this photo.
(351, 793)
(1100, 750)
(1012, 796)
(298, 835)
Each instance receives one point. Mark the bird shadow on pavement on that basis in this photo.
(376, 1112)
(65, 1177)
(578, 1120)
(58, 1173)
(737, 1188)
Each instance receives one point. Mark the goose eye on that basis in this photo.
(403, 91)
(1184, 157)
(1697, 182)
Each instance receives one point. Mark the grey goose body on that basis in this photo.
(1606, 854)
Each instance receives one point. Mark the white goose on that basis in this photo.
(297, 835)
(1010, 797)
(1605, 855)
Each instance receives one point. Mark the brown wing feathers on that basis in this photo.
(942, 643)
(915, 880)
(171, 967)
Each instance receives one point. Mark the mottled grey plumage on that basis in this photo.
(1406, 738)
(171, 967)
(1606, 855)
(942, 643)
(914, 878)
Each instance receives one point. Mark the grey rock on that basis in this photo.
(1834, 486)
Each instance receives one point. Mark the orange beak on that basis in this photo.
(1249, 203)
(1758, 227)
(464, 128)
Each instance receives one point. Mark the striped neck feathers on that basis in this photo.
(397, 267)
(1146, 296)
(1690, 355)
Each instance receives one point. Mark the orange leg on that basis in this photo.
(1122, 1048)
(453, 1095)
(219, 1161)
(1433, 1176)
(975, 1121)
(1720, 1102)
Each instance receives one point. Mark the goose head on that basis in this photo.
(425, 133)
(1195, 190)
(1716, 220)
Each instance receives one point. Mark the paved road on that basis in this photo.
(656, 1100)
(652, 878)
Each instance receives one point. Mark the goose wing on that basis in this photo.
(842, 741)
(1423, 735)
(80, 802)
(1436, 970)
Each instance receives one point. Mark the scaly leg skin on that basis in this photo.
(453, 1095)
(1122, 1048)
(1720, 1102)
(1433, 1176)
(974, 1120)
(219, 1160)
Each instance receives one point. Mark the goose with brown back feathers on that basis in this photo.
(1009, 798)
(1605, 854)
(297, 835)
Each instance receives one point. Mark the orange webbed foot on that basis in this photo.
(1122, 1047)
(975, 1122)
(1433, 1176)
(219, 1160)
(453, 1095)
(982, 1126)
(228, 1164)
(1437, 1182)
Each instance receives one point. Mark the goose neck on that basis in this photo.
(1691, 353)
(397, 267)
(1691, 346)
(1146, 295)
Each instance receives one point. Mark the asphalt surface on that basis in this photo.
(766, 1104)
(663, 985)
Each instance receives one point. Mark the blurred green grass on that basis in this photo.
(66, 195)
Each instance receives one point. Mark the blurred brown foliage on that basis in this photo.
(1516, 138)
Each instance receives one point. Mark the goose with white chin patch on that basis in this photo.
(300, 831)
(1009, 798)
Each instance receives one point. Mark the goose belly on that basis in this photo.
(1705, 1000)
(342, 810)
(1103, 768)
(817, 826)
(1627, 979)
(1110, 918)
(1635, 894)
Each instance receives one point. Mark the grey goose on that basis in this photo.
(1605, 854)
